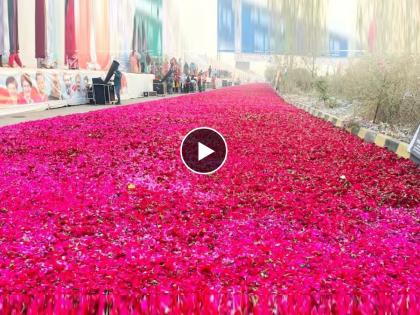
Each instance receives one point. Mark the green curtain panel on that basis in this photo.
(147, 32)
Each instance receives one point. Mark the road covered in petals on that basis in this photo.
(101, 202)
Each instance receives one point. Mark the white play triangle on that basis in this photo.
(203, 151)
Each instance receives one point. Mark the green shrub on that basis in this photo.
(382, 88)
(321, 87)
(297, 80)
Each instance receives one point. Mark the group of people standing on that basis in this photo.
(186, 78)
(179, 77)
(140, 62)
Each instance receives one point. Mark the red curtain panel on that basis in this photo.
(70, 41)
(40, 29)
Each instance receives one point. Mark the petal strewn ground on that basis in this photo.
(101, 202)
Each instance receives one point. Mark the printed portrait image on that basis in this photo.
(12, 90)
(68, 86)
(41, 84)
(29, 94)
(55, 93)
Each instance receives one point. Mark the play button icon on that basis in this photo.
(203, 150)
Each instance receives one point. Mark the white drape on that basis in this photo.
(26, 24)
(55, 31)
(4, 29)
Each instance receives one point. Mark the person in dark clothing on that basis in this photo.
(117, 85)
(148, 60)
(193, 83)
(170, 79)
(187, 84)
(199, 81)
(186, 69)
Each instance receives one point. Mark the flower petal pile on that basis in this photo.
(101, 202)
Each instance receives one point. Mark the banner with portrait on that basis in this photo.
(61, 87)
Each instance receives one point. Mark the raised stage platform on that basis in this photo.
(24, 89)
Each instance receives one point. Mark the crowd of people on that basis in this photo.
(185, 78)
(180, 77)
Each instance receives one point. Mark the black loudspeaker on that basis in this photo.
(158, 87)
(97, 81)
(90, 95)
(114, 66)
(102, 93)
(99, 93)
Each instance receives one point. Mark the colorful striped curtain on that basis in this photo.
(13, 25)
(40, 29)
(88, 33)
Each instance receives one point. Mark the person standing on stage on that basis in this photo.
(117, 85)
(142, 62)
(135, 62)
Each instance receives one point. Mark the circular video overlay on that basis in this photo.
(203, 150)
